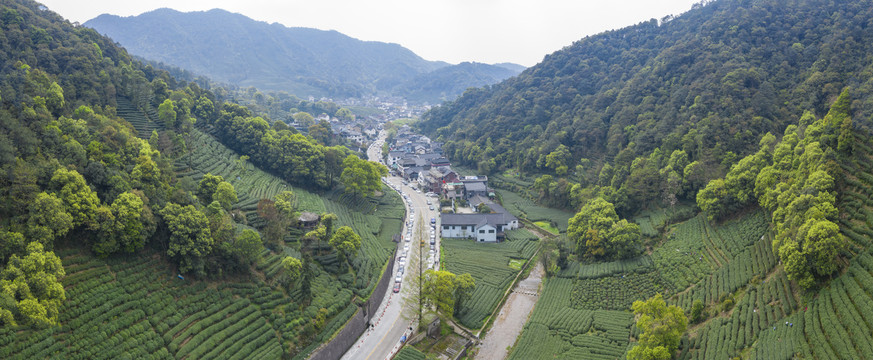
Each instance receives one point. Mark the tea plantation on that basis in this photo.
(752, 310)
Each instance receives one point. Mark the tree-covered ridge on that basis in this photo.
(709, 82)
(77, 176)
(796, 180)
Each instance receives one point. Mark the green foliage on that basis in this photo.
(291, 267)
(248, 245)
(295, 158)
(29, 287)
(662, 326)
(48, 219)
(696, 311)
(79, 200)
(127, 226)
(345, 241)
(225, 195)
(167, 114)
(207, 187)
(362, 177)
(190, 239)
(794, 180)
(598, 233)
(595, 99)
(438, 291)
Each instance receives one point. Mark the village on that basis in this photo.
(465, 202)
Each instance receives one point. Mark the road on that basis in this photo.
(383, 340)
(512, 317)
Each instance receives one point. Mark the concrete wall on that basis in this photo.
(360, 321)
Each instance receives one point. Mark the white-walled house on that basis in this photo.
(481, 227)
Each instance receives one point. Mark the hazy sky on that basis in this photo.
(489, 31)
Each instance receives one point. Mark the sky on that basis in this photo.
(487, 31)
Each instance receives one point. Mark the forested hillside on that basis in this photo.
(125, 190)
(708, 83)
(758, 114)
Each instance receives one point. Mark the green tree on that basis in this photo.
(285, 201)
(225, 195)
(190, 238)
(48, 219)
(661, 328)
(204, 109)
(248, 245)
(167, 113)
(207, 186)
(292, 268)
(304, 119)
(320, 132)
(464, 286)
(597, 232)
(79, 200)
(362, 177)
(31, 288)
(344, 115)
(11, 243)
(329, 221)
(127, 227)
(55, 98)
(696, 310)
(438, 291)
(318, 234)
(346, 242)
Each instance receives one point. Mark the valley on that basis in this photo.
(202, 184)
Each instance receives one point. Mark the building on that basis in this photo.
(481, 227)
(475, 188)
(308, 220)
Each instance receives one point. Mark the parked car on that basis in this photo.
(396, 288)
(398, 279)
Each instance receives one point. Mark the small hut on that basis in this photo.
(308, 220)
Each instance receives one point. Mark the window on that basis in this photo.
(481, 231)
(491, 231)
(445, 227)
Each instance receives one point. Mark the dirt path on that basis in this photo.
(512, 317)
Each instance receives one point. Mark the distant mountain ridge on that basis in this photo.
(448, 82)
(233, 48)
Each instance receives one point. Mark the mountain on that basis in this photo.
(511, 66)
(232, 48)
(710, 81)
(449, 82)
(235, 49)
